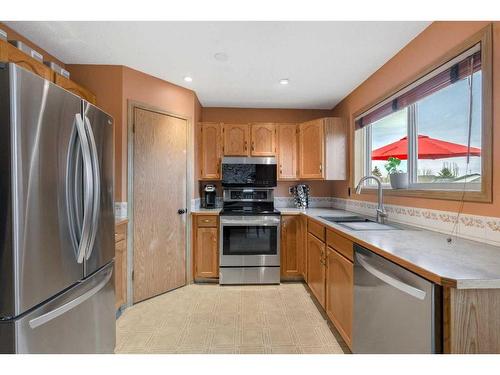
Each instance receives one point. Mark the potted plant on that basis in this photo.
(399, 179)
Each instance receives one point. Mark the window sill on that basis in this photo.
(453, 195)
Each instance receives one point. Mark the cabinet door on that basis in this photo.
(287, 151)
(339, 293)
(236, 138)
(120, 273)
(316, 268)
(312, 146)
(292, 246)
(210, 151)
(207, 253)
(263, 139)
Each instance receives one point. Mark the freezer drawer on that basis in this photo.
(395, 310)
(80, 320)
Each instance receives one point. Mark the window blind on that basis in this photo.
(451, 72)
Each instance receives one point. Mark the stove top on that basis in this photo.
(249, 212)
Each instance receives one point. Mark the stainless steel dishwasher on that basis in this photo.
(395, 311)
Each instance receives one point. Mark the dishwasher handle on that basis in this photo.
(392, 281)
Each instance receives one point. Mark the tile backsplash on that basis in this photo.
(121, 210)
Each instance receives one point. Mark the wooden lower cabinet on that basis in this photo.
(120, 265)
(292, 247)
(206, 247)
(316, 270)
(339, 293)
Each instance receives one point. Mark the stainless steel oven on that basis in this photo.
(250, 249)
(249, 237)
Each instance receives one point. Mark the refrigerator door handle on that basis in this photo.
(58, 311)
(96, 187)
(88, 182)
(398, 284)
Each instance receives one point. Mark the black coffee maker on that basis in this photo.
(209, 194)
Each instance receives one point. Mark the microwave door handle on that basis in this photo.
(96, 192)
(87, 188)
(390, 280)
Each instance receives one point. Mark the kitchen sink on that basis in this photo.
(358, 223)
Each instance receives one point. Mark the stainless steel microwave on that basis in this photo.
(249, 171)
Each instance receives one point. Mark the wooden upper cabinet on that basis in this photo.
(210, 150)
(316, 274)
(263, 139)
(10, 53)
(323, 149)
(292, 246)
(340, 293)
(74, 88)
(312, 154)
(287, 151)
(236, 139)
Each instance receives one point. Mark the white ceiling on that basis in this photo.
(324, 61)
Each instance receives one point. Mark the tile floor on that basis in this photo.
(208, 318)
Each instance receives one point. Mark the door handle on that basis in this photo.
(96, 188)
(58, 311)
(392, 281)
(182, 211)
(88, 181)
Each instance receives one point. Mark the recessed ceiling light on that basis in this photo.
(188, 79)
(284, 81)
(220, 56)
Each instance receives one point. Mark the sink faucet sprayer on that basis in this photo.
(381, 213)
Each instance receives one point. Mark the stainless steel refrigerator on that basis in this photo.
(56, 219)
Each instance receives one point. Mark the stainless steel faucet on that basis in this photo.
(381, 213)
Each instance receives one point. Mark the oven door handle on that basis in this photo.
(250, 223)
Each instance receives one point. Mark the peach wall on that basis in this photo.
(425, 49)
(12, 35)
(143, 88)
(245, 115)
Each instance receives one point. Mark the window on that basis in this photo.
(435, 126)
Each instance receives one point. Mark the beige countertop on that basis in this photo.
(461, 263)
(206, 211)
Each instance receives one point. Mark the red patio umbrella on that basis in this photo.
(428, 148)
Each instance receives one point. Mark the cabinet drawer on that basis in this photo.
(120, 246)
(340, 244)
(206, 221)
(121, 236)
(316, 229)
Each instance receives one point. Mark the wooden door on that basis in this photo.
(207, 253)
(292, 246)
(263, 136)
(339, 293)
(236, 138)
(287, 151)
(312, 150)
(160, 166)
(316, 268)
(210, 152)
